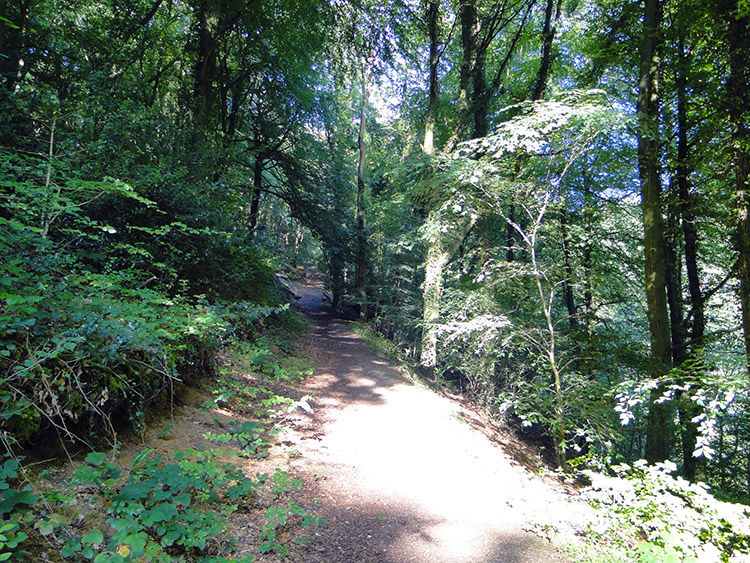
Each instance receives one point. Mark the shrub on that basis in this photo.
(657, 517)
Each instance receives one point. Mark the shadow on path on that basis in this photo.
(401, 477)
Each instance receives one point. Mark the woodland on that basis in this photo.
(542, 203)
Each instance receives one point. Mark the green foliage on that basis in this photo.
(170, 511)
(283, 482)
(267, 361)
(80, 346)
(79, 352)
(173, 511)
(132, 257)
(15, 509)
(248, 436)
(680, 521)
(161, 512)
(277, 517)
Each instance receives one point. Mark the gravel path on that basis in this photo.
(401, 476)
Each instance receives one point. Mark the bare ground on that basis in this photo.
(402, 474)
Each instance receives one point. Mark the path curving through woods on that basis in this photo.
(401, 475)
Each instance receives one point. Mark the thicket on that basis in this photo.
(99, 315)
(170, 510)
(541, 312)
(131, 259)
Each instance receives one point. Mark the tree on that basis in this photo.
(526, 162)
(444, 231)
(551, 18)
(738, 106)
(659, 421)
(433, 13)
(479, 31)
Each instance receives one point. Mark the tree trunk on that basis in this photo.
(568, 267)
(587, 260)
(204, 74)
(551, 17)
(693, 468)
(257, 191)
(467, 13)
(361, 262)
(673, 278)
(659, 426)
(436, 259)
(429, 129)
(510, 234)
(432, 291)
(480, 97)
(438, 255)
(738, 100)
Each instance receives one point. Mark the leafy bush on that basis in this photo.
(161, 512)
(78, 354)
(156, 511)
(100, 313)
(15, 510)
(83, 351)
(653, 516)
(249, 437)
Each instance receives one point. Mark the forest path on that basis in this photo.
(401, 476)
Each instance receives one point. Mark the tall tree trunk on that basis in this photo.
(204, 74)
(361, 261)
(738, 100)
(551, 17)
(467, 13)
(439, 251)
(510, 234)
(429, 128)
(435, 260)
(693, 468)
(673, 278)
(480, 97)
(257, 191)
(659, 426)
(587, 259)
(432, 291)
(569, 284)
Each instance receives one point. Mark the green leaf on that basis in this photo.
(94, 537)
(96, 458)
(11, 498)
(45, 527)
(142, 456)
(71, 547)
(183, 499)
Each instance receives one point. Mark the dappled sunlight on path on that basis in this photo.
(401, 476)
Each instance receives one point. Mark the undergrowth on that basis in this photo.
(175, 510)
(649, 516)
(156, 510)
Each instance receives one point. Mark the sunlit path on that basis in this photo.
(405, 478)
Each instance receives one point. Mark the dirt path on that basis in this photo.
(401, 476)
